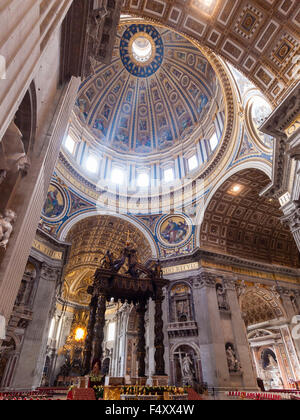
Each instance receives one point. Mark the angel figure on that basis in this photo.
(6, 227)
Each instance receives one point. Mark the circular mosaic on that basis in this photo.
(174, 230)
(141, 50)
(55, 204)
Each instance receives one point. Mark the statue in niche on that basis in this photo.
(187, 366)
(233, 363)
(21, 293)
(12, 153)
(6, 227)
(221, 295)
(271, 370)
(182, 310)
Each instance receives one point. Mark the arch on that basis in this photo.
(239, 221)
(82, 216)
(260, 305)
(181, 302)
(193, 372)
(202, 23)
(16, 146)
(184, 343)
(260, 165)
(26, 118)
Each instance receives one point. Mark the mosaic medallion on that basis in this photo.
(174, 230)
(55, 205)
(141, 50)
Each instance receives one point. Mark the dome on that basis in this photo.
(158, 93)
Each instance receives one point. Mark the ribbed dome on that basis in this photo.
(154, 95)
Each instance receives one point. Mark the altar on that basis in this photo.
(135, 286)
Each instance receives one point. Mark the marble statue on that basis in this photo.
(6, 227)
(187, 366)
(158, 270)
(272, 373)
(12, 152)
(233, 363)
(221, 295)
(107, 261)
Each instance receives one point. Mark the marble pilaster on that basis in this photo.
(240, 336)
(211, 337)
(29, 371)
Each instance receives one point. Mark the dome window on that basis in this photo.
(214, 142)
(117, 176)
(193, 163)
(142, 49)
(143, 180)
(169, 175)
(92, 164)
(70, 145)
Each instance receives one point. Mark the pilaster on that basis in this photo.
(240, 335)
(211, 336)
(29, 371)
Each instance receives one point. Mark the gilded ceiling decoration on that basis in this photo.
(241, 223)
(260, 305)
(261, 38)
(92, 237)
(154, 95)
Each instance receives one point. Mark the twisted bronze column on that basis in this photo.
(87, 353)
(159, 335)
(99, 328)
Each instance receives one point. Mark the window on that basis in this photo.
(169, 175)
(193, 163)
(70, 145)
(117, 176)
(92, 164)
(143, 180)
(214, 142)
(111, 331)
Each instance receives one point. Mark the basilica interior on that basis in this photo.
(150, 198)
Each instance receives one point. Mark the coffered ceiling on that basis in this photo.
(260, 37)
(241, 223)
(92, 237)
